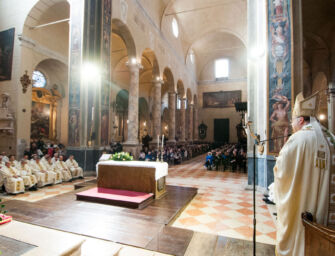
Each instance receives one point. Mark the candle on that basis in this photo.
(162, 142)
(92, 113)
(157, 142)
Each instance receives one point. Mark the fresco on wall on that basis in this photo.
(40, 120)
(105, 59)
(280, 83)
(221, 99)
(6, 53)
(76, 14)
(74, 127)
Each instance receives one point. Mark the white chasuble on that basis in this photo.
(300, 185)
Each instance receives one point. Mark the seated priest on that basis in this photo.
(58, 173)
(76, 170)
(63, 168)
(25, 173)
(55, 158)
(44, 159)
(29, 179)
(13, 161)
(44, 176)
(12, 181)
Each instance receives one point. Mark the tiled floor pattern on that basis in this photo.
(222, 205)
(45, 192)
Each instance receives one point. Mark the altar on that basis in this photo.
(139, 176)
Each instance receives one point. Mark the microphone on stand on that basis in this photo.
(257, 141)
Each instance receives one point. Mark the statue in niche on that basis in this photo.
(202, 130)
(4, 100)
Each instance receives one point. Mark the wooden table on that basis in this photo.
(148, 177)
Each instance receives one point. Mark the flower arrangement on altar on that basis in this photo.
(4, 218)
(121, 156)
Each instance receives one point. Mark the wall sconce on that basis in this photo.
(166, 127)
(25, 82)
(145, 123)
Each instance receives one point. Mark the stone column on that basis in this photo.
(134, 69)
(331, 107)
(195, 124)
(157, 120)
(172, 117)
(190, 120)
(182, 119)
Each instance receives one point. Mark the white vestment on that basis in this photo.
(28, 177)
(12, 185)
(44, 177)
(61, 166)
(74, 168)
(300, 186)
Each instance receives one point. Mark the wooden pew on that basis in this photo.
(319, 240)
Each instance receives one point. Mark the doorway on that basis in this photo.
(221, 130)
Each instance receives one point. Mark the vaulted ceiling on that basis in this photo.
(210, 28)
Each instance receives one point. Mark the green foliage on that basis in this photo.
(121, 156)
(2, 211)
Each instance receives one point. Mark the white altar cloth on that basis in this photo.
(161, 168)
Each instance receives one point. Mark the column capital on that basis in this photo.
(158, 80)
(134, 65)
(172, 93)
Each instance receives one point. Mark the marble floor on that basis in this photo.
(222, 205)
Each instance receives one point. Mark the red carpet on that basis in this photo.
(116, 197)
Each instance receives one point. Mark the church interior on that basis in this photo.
(196, 97)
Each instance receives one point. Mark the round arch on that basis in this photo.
(121, 29)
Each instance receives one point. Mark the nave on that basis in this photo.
(219, 216)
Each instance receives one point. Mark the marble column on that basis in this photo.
(195, 123)
(190, 121)
(157, 120)
(172, 117)
(331, 107)
(182, 119)
(134, 69)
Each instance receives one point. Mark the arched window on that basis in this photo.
(175, 28)
(39, 80)
(221, 69)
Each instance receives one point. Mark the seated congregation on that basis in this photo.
(227, 157)
(35, 172)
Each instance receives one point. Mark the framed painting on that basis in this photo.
(40, 120)
(221, 99)
(6, 53)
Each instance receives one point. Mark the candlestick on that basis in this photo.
(162, 141)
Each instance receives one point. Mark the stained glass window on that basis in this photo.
(39, 80)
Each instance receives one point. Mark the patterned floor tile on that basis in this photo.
(222, 205)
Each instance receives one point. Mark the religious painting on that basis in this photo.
(104, 127)
(74, 127)
(6, 53)
(221, 99)
(40, 120)
(280, 72)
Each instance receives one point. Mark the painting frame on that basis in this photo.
(221, 99)
(6, 53)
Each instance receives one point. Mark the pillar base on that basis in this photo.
(134, 149)
(171, 142)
